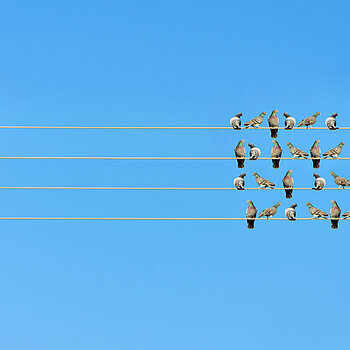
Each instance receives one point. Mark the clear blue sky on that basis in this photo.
(169, 285)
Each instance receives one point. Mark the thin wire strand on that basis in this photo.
(158, 219)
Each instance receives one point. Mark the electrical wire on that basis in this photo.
(154, 188)
(150, 219)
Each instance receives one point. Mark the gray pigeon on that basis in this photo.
(254, 152)
(251, 214)
(315, 152)
(239, 182)
(296, 152)
(346, 215)
(289, 122)
(291, 213)
(309, 121)
(335, 214)
(334, 152)
(288, 184)
(331, 123)
(320, 182)
(276, 154)
(263, 183)
(255, 122)
(270, 211)
(240, 153)
(273, 123)
(316, 213)
(340, 181)
(236, 121)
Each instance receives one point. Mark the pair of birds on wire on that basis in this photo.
(288, 182)
(276, 153)
(289, 123)
(290, 213)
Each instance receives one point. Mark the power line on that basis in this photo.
(155, 219)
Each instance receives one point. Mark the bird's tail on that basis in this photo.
(316, 189)
(289, 193)
(275, 163)
(250, 224)
(316, 163)
(274, 133)
(334, 224)
(240, 163)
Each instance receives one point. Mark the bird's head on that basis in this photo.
(289, 144)
(251, 145)
(334, 115)
(275, 143)
(317, 114)
(255, 174)
(242, 175)
(249, 202)
(294, 205)
(275, 111)
(286, 115)
(316, 175)
(240, 143)
(238, 115)
(333, 202)
(333, 174)
(317, 142)
(263, 113)
(278, 204)
(342, 144)
(289, 172)
(308, 204)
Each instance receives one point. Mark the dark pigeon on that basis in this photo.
(288, 184)
(346, 215)
(251, 214)
(335, 214)
(273, 123)
(276, 154)
(315, 152)
(240, 153)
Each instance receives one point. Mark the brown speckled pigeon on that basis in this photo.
(296, 152)
(335, 214)
(340, 181)
(309, 121)
(255, 122)
(315, 152)
(316, 213)
(270, 211)
(288, 184)
(331, 123)
(276, 153)
(263, 183)
(251, 214)
(273, 123)
(240, 153)
(334, 152)
(346, 215)
(236, 121)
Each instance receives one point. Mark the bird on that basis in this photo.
(251, 214)
(291, 213)
(289, 122)
(255, 122)
(320, 182)
(334, 152)
(240, 153)
(335, 214)
(316, 213)
(273, 123)
(340, 181)
(288, 184)
(270, 211)
(254, 152)
(236, 121)
(346, 215)
(296, 152)
(276, 154)
(315, 152)
(239, 182)
(309, 121)
(263, 183)
(331, 123)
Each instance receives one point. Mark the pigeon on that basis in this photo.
(291, 213)
(254, 152)
(255, 122)
(270, 211)
(236, 121)
(276, 154)
(309, 121)
(289, 122)
(240, 153)
(346, 215)
(334, 152)
(315, 152)
(335, 214)
(239, 182)
(251, 213)
(273, 123)
(316, 213)
(340, 181)
(263, 183)
(288, 184)
(320, 182)
(331, 123)
(296, 152)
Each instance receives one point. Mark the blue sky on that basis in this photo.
(169, 285)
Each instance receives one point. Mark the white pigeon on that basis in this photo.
(331, 123)
(254, 152)
(291, 213)
(236, 121)
(289, 122)
(320, 182)
(239, 182)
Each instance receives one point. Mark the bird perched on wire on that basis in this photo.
(240, 153)
(335, 214)
(236, 121)
(291, 213)
(263, 183)
(309, 121)
(273, 123)
(331, 123)
(269, 212)
(255, 122)
(320, 182)
(239, 182)
(315, 152)
(316, 213)
(251, 214)
(289, 122)
(334, 152)
(288, 184)
(340, 181)
(296, 152)
(346, 215)
(254, 152)
(276, 154)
